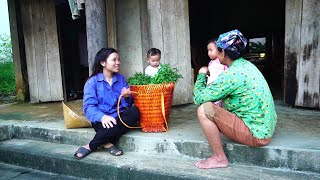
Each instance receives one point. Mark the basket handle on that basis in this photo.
(118, 111)
(164, 111)
(135, 127)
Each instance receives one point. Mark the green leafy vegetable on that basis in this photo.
(139, 79)
(165, 74)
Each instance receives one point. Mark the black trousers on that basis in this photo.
(104, 135)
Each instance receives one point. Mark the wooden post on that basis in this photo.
(111, 24)
(19, 57)
(292, 46)
(96, 28)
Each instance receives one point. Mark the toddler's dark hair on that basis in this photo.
(212, 40)
(153, 51)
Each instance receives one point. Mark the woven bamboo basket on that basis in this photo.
(73, 117)
(154, 102)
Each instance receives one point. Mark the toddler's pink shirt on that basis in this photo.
(215, 68)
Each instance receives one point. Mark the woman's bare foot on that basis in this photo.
(107, 145)
(213, 162)
(111, 148)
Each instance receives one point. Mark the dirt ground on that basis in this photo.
(7, 99)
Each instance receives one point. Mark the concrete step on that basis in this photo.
(9, 171)
(58, 158)
(294, 146)
(171, 144)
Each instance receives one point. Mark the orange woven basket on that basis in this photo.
(154, 102)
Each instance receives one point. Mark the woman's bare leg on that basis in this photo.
(212, 133)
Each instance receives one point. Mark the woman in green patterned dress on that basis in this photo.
(248, 116)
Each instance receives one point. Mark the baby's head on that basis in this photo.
(153, 57)
(212, 48)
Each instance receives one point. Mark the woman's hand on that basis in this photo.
(126, 92)
(108, 121)
(204, 70)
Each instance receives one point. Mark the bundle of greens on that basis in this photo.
(139, 79)
(165, 74)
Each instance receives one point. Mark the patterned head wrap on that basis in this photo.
(232, 41)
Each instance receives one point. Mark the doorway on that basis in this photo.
(262, 23)
(73, 50)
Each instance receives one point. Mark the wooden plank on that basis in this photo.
(309, 65)
(111, 24)
(169, 51)
(184, 87)
(292, 49)
(40, 52)
(129, 40)
(28, 32)
(169, 31)
(52, 51)
(145, 33)
(155, 27)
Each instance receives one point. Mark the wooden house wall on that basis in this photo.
(302, 53)
(42, 50)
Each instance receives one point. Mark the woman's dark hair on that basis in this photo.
(234, 51)
(231, 54)
(153, 51)
(101, 55)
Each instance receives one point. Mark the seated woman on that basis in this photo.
(101, 93)
(249, 116)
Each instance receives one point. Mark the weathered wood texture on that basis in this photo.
(145, 31)
(96, 28)
(169, 31)
(308, 66)
(292, 46)
(302, 53)
(19, 59)
(129, 36)
(111, 24)
(163, 24)
(42, 50)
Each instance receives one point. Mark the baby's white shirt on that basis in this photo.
(151, 71)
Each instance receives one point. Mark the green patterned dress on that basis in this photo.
(244, 92)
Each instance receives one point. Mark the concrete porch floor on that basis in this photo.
(296, 127)
(295, 145)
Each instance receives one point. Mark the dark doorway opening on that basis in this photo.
(73, 50)
(262, 21)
